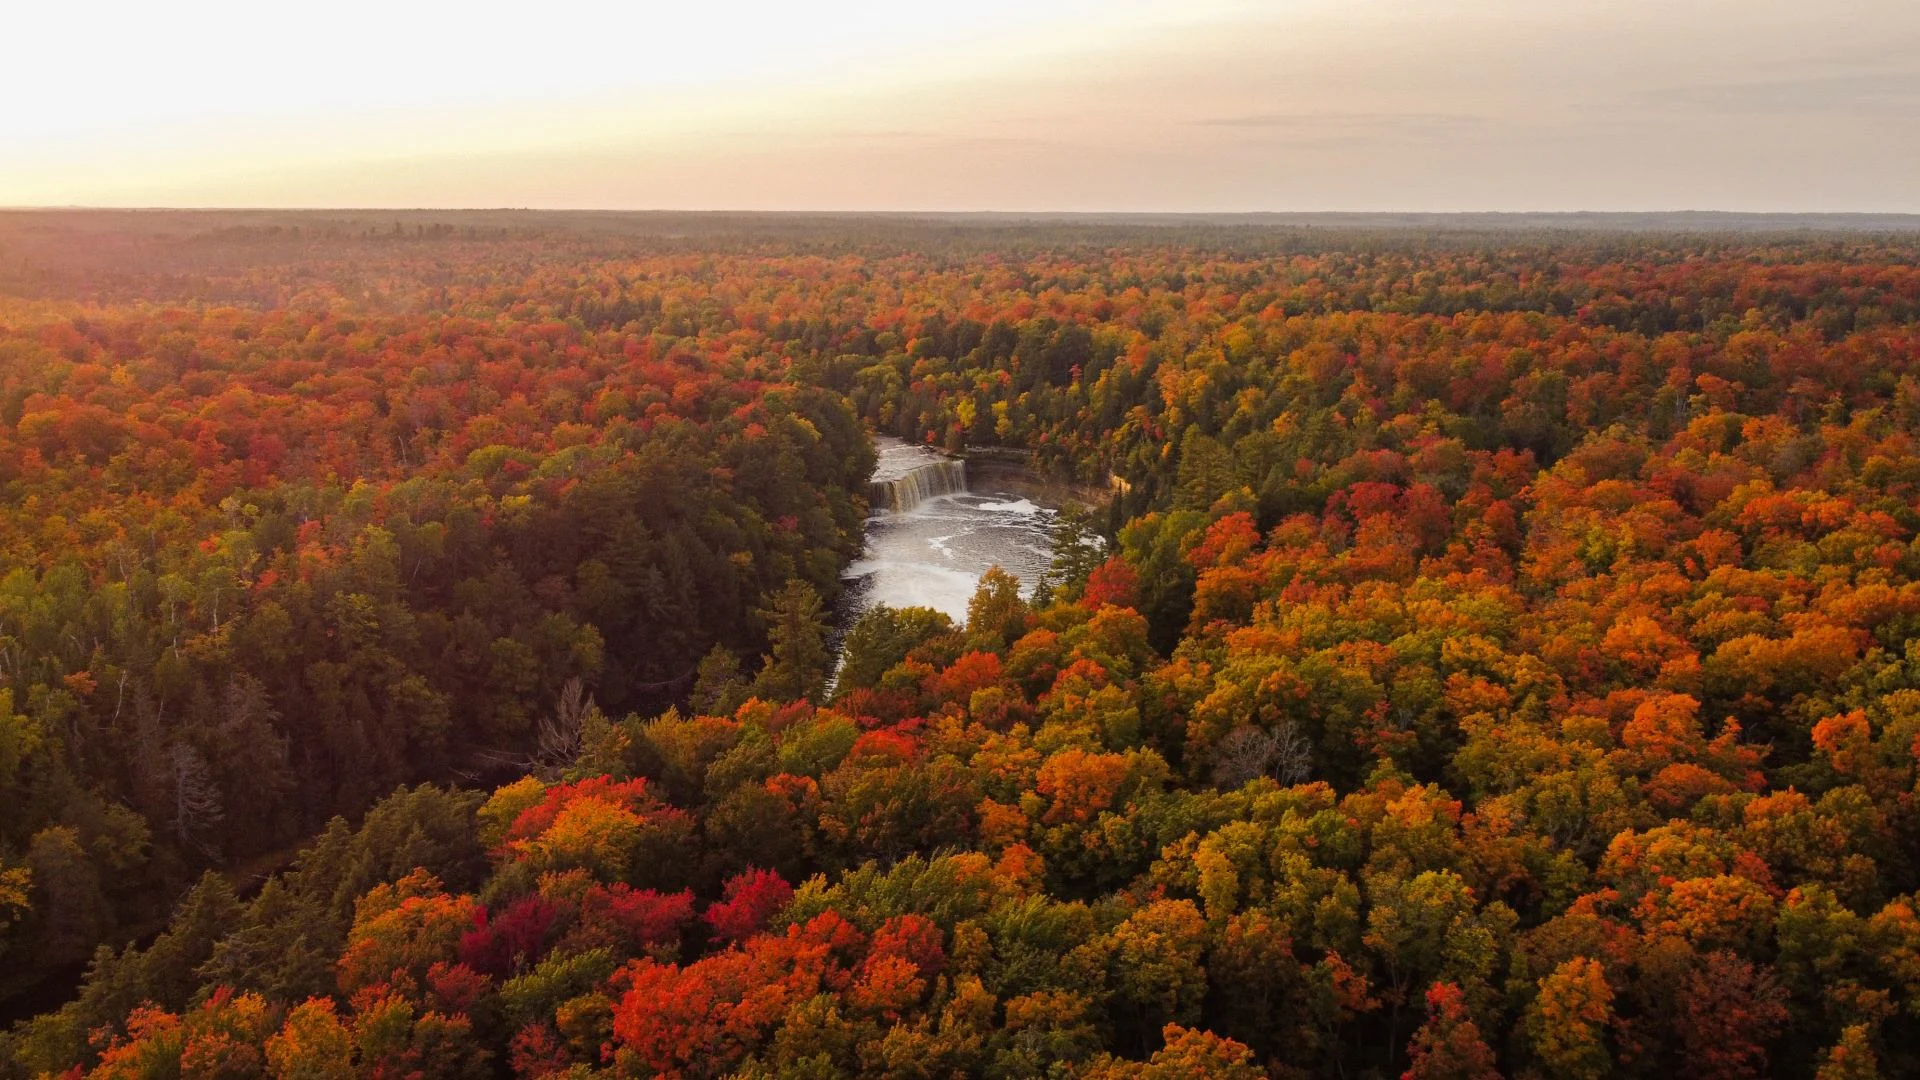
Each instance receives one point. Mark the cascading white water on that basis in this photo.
(930, 537)
(944, 477)
(908, 476)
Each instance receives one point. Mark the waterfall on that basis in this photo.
(941, 476)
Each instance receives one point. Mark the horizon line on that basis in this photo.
(1906, 216)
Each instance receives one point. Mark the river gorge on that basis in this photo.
(931, 536)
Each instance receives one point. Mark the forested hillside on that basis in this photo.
(414, 652)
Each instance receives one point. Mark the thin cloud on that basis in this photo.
(1339, 130)
(1892, 92)
(885, 135)
(802, 135)
(1322, 123)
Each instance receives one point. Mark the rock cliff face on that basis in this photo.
(1008, 470)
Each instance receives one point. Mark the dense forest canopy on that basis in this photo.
(1505, 659)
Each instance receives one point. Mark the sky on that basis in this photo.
(1016, 105)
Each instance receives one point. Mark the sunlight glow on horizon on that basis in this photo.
(998, 104)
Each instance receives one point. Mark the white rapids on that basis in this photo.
(930, 538)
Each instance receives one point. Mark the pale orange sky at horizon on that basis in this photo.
(1122, 105)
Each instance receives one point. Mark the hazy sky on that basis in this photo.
(975, 104)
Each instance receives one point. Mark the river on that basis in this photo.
(931, 537)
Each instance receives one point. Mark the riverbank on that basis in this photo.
(1008, 469)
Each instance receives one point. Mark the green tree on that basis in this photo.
(1206, 471)
(718, 688)
(1157, 963)
(996, 616)
(797, 662)
(881, 638)
(72, 905)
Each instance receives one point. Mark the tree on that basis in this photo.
(1258, 990)
(752, 898)
(401, 930)
(718, 688)
(1729, 1012)
(72, 906)
(616, 831)
(196, 801)
(996, 616)
(1422, 927)
(167, 972)
(1851, 1058)
(1157, 966)
(883, 637)
(1567, 1021)
(312, 1045)
(1248, 752)
(16, 898)
(1206, 470)
(560, 737)
(797, 664)
(1112, 582)
(1449, 1045)
(1186, 1054)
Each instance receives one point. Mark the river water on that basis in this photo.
(931, 538)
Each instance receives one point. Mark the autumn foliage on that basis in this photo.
(1501, 655)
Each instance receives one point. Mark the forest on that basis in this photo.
(417, 655)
